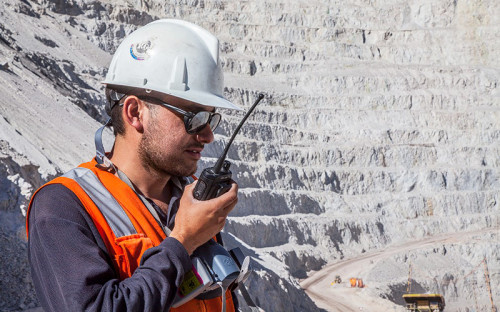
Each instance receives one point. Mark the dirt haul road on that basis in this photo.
(343, 298)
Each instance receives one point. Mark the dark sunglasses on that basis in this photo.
(194, 122)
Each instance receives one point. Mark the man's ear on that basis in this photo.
(133, 112)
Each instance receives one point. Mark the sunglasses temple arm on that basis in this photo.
(178, 110)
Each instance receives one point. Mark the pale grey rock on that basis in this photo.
(380, 127)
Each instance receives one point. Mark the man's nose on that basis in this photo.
(205, 136)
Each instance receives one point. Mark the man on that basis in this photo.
(116, 233)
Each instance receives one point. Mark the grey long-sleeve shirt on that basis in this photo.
(72, 270)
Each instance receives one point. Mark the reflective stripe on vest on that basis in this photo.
(114, 214)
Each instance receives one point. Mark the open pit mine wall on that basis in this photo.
(380, 123)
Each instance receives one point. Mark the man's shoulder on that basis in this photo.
(55, 199)
(51, 190)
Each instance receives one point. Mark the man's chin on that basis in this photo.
(184, 172)
(193, 171)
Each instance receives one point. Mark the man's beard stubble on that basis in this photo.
(153, 158)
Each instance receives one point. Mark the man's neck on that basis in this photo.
(150, 183)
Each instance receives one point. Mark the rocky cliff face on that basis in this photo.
(380, 128)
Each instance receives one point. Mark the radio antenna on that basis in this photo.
(220, 161)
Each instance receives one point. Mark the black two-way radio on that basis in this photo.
(216, 180)
(213, 267)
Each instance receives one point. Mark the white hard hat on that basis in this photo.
(168, 58)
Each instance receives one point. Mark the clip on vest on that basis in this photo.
(102, 160)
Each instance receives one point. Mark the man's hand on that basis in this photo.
(198, 221)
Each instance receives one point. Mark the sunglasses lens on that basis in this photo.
(214, 122)
(198, 122)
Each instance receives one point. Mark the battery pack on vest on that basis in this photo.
(213, 268)
(219, 261)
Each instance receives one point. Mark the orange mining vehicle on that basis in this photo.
(353, 282)
(356, 282)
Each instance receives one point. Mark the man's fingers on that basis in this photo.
(230, 200)
(232, 192)
(220, 206)
(230, 196)
(222, 223)
(188, 189)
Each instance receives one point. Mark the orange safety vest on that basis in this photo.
(128, 231)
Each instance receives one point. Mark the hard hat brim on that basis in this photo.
(190, 96)
(206, 99)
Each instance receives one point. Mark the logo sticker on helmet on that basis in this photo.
(139, 51)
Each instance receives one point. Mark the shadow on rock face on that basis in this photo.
(16, 287)
(398, 290)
